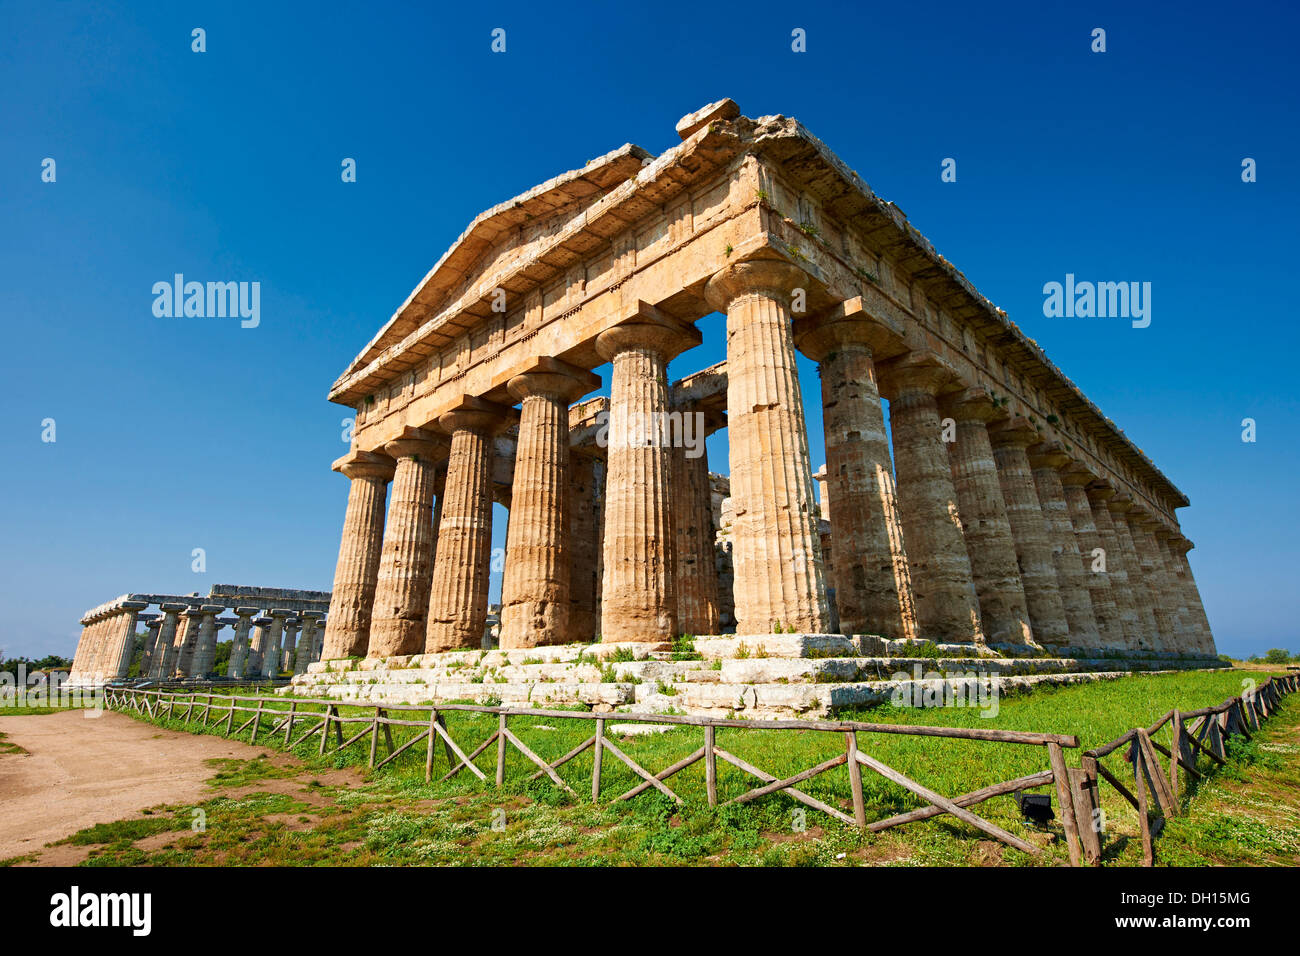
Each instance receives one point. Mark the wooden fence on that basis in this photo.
(1155, 794)
(291, 721)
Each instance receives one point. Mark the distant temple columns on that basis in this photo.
(1121, 507)
(693, 532)
(1154, 573)
(401, 604)
(308, 643)
(239, 650)
(273, 637)
(1047, 459)
(165, 654)
(459, 595)
(639, 598)
(869, 593)
(535, 587)
(206, 644)
(779, 578)
(942, 584)
(1179, 546)
(585, 527)
(1100, 493)
(1105, 609)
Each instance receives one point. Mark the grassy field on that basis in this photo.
(309, 810)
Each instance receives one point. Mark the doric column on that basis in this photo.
(1010, 439)
(693, 534)
(1004, 612)
(1142, 525)
(401, 607)
(239, 649)
(779, 579)
(639, 586)
(585, 520)
(1185, 639)
(942, 586)
(271, 644)
(1075, 479)
(1100, 493)
(357, 572)
(90, 669)
(1121, 506)
(125, 646)
(305, 652)
(165, 652)
(290, 644)
(188, 643)
(257, 646)
(206, 645)
(1047, 459)
(1179, 546)
(459, 595)
(150, 645)
(869, 592)
(535, 586)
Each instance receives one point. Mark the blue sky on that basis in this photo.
(174, 434)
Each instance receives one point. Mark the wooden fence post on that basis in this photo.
(1175, 750)
(1140, 785)
(1062, 779)
(855, 778)
(597, 756)
(288, 723)
(501, 749)
(711, 763)
(257, 720)
(428, 752)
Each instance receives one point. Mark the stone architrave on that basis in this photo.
(639, 585)
(1105, 609)
(870, 593)
(1100, 493)
(1121, 506)
(1004, 611)
(1010, 439)
(400, 620)
(942, 585)
(776, 549)
(459, 591)
(1047, 460)
(239, 649)
(535, 585)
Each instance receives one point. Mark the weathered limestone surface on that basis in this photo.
(399, 622)
(535, 587)
(356, 574)
(779, 579)
(942, 586)
(693, 537)
(639, 590)
(1074, 480)
(1010, 439)
(1099, 497)
(1154, 575)
(870, 592)
(1047, 459)
(1120, 507)
(585, 521)
(459, 597)
(1004, 611)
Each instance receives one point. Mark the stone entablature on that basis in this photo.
(985, 537)
(182, 636)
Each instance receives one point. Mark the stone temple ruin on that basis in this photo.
(275, 629)
(1001, 516)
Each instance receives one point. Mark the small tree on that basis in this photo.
(1277, 656)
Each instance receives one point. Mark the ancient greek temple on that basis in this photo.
(275, 630)
(1000, 508)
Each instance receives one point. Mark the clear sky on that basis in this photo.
(174, 434)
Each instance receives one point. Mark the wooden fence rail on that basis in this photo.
(310, 717)
(1156, 794)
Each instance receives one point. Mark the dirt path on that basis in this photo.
(78, 772)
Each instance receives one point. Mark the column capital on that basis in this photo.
(415, 443)
(247, 611)
(1180, 543)
(1075, 473)
(134, 605)
(644, 326)
(917, 371)
(846, 325)
(973, 404)
(553, 378)
(774, 278)
(281, 613)
(1015, 431)
(174, 607)
(312, 615)
(1101, 490)
(1121, 504)
(365, 464)
(1048, 454)
(477, 415)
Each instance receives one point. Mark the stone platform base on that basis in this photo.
(768, 676)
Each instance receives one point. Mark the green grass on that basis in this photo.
(394, 817)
